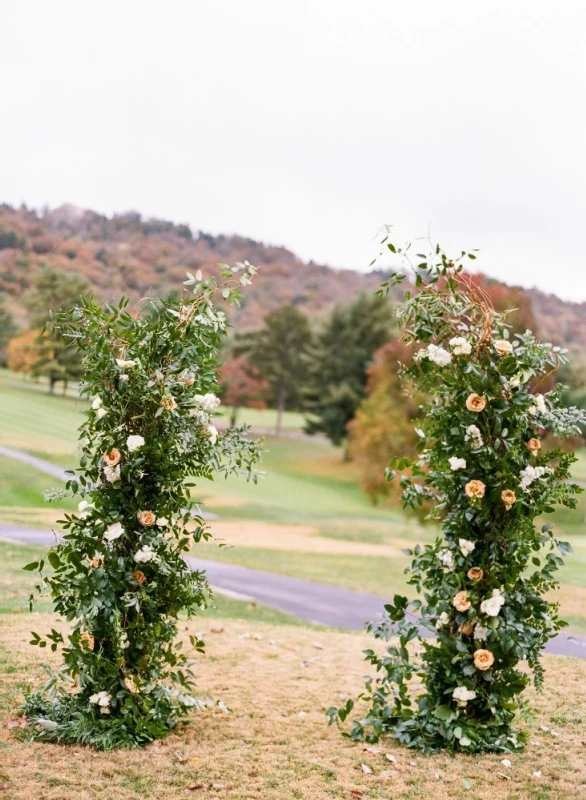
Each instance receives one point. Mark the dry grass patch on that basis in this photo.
(27, 517)
(275, 744)
(298, 538)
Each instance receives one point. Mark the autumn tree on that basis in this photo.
(240, 388)
(21, 353)
(276, 353)
(338, 361)
(383, 425)
(8, 329)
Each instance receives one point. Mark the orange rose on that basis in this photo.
(475, 489)
(476, 402)
(533, 445)
(88, 641)
(467, 629)
(139, 577)
(503, 347)
(475, 573)
(508, 497)
(146, 518)
(112, 457)
(461, 602)
(483, 659)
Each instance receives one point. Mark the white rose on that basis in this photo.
(463, 695)
(134, 443)
(442, 620)
(101, 413)
(457, 463)
(538, 406)
(97, 403)
(162, 522)
(460, 346)
(145, 554)
(101, 699)
(438, 355)
(113, 531)
(480, 632)
(466, 546)
(207, 401)
(112, 474)
(492, 605)
(84, 508)
(447, 559)
(212, 433)
(473, 435)
(122, 363)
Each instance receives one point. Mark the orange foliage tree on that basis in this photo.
(22, 351)
(239, 387)
(382, 427)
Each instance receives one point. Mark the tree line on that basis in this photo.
(340, 370)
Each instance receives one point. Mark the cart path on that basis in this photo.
(311, 601)
(37, 463)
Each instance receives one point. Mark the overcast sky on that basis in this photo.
(310, 124)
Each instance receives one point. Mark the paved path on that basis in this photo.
(315, 602)
(37, 463)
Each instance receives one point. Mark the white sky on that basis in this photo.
(310, 123)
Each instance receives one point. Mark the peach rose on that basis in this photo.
(112, 457)
(96, 562)
(139, 577)
(475, 489)
(88, 641)
(503, 347)
(533, 445)
(475, 573)
(508, 497)
(466, 629)
(476, 402)
(483, 659)
(188, 380)
(146, 518)
(461, 602)
(130, 685)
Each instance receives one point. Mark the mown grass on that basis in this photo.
(306, 483)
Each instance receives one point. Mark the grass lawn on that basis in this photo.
(278, 678)
(306, 518)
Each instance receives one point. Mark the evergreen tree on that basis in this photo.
(54, 291)
(338, 361)
(277, 354)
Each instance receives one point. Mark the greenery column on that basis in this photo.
(119, 574)
(487, 468)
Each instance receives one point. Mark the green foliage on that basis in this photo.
(54, 291)
(276, 354)
(481, 586)
(8, 329)
(119, 575)
(337, 362)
